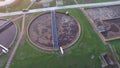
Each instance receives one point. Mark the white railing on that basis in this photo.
(61, 7)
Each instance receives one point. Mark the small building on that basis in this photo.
(106, 60)
(59, 2)
(45, 3)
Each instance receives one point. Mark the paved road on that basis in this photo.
(62, 7)
(29, 5)
(17, 44)
(16, 19)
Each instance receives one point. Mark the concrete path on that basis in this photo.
(17, 44)
(19, 38)
(62, 7)
(15, 19)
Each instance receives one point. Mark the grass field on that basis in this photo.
(78, 56)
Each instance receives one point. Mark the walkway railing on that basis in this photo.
(54, 30)
(62, 7)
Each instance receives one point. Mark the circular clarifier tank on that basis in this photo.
(40, 30)
(8, 32)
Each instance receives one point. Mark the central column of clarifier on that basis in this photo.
(54, 30)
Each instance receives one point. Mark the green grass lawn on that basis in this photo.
(77, 56)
